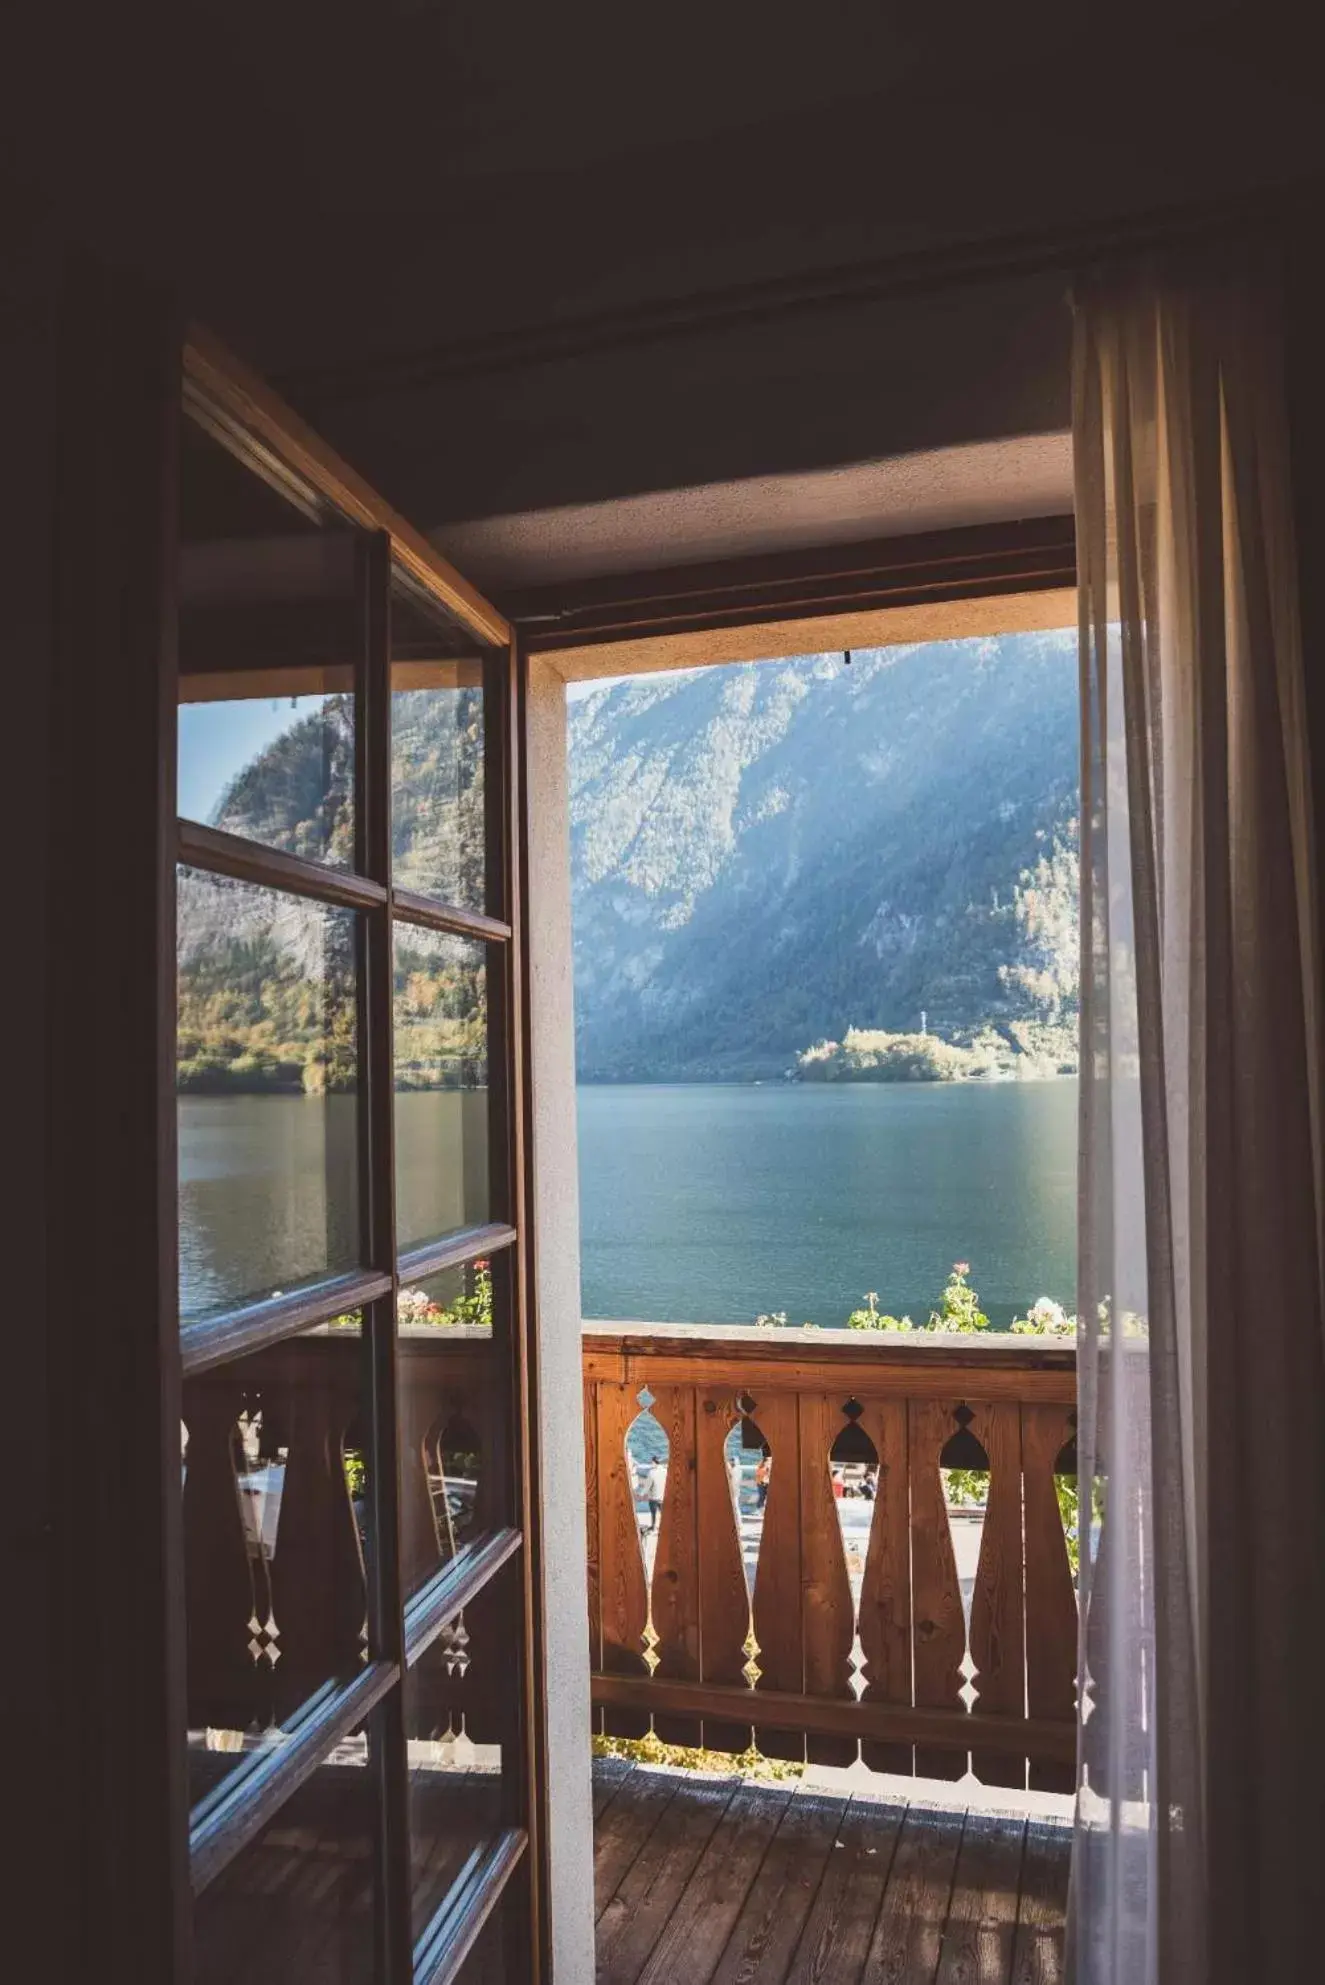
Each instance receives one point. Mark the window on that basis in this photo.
(352, 1465)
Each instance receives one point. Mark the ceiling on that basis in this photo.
(357, 177)
(988, 482)
(372, 198)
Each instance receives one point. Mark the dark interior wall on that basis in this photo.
(28, 329)
(89, 394)
(371, 200)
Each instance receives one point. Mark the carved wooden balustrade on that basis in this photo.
(801, 1664)
(274, 1476)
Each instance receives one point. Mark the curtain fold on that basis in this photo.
(1201, 1802)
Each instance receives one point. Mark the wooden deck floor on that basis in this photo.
(718, 1881)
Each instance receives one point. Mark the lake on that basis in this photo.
(699, 1203)
(709, 1203)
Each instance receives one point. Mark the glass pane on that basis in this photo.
(266, 1074)
(298, 1904)
(486, 1963)
(268, 631)
(441, 1049)
(460, 1708)
(275, 1486)
(437, 740)
(451, 1418)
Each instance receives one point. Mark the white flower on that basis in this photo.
(414, 1307)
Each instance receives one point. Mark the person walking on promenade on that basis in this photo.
(763, 1474)
(655, 1488)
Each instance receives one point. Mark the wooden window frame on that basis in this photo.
(973, 562)
(242, 415)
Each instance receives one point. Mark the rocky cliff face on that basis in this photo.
(763, 857)
(768, 855)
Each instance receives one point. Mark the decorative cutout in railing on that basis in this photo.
(274, 1483)
(810, 1628)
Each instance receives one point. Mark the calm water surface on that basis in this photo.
(708, 1203)
(268, 1190)
(703, 1203)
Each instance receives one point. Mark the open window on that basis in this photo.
(356, 1580)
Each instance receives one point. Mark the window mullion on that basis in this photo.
(377, 1198)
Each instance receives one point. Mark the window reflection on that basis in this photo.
(268, 634)
(276, 1534)
(266, 1074)
(275, 769)
(441, 1050)
(486, 1963)
(297, 1904)
(450, 1413)
(460, 1709)
(437, 750)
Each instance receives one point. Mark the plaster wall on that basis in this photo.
(557, 1301)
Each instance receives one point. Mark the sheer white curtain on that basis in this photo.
(1200, 1849)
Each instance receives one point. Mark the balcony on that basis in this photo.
(784, 1627)
(713, 1880)
(894, 1633)
(832, 1632)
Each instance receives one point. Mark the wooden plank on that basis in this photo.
(764, 1368)
(1039, 1948)
(752, 1344)
(622, 1595)
(438, 1854)
(318, 1592)
(764, 1938)
(225, 1587)
(776, 1605)
(704, 1918)
(1051, 1600)
(909, 1934)
(997, 1633)
(890, 1723)
(609, 1774)
(725, 1370)
(625, 1827)
(885, 1596)
(421, 1550)
(724, 1598)
(637, 1914)
(938, 1626)
(675, 1589)
(592, 1517)
(828, 1620)
(836, 1939)
(982, 1913)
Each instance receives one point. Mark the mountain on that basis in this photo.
(775, 866)
(768, 856)
(267, 981)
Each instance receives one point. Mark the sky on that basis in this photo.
(576, 691)
(217, 740)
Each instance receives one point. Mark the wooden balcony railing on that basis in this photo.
(275, 1474)
(755, 1626)
(727, 1627)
